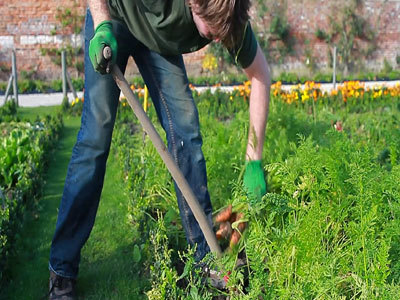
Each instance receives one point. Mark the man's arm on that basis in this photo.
(259, 75)
(103, 36)
(99, 11)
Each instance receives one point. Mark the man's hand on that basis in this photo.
(103, 36)
(254, 181)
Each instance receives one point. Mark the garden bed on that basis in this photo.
(329, 224)
(25, 148)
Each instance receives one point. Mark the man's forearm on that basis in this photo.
(99, 11)
(259, 106)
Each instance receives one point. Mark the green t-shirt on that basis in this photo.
(167, 27)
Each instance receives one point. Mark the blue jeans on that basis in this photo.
(168, 86)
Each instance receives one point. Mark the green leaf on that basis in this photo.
(137, 256)
(194, 292)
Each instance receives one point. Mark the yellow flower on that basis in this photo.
(210, 62)
(305, 97)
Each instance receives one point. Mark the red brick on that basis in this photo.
(20, 18)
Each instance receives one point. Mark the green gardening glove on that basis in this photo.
(254, 181)
(103, 36)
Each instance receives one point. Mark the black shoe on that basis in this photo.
(61, 288)
(214, 278)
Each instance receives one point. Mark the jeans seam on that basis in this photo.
(171, 127)
(174, 149)
(60, 274)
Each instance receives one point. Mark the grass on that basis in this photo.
(106, 266)
(29, 113)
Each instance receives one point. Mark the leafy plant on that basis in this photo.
(387, 67)
(23, 153)
(328, 226)
(8, 111)
(275, 40)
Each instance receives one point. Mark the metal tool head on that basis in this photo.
(107, 54)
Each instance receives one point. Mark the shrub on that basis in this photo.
(23, 155)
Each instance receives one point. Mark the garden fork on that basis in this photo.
(164, 153)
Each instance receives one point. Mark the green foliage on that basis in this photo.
(73, 109)
(262, 8)
(69, 19)
(387, 67)
(72, 55)
(310, 60)
(275, 41)
(56, 85)
(8, 111)
(23, 153)
(220, 79)
(329, 226)
(321, 34)
(280, 28)
(137, 81)
(25, 86)
(163, 276)
(4, 68)
(65, 106)
(223, 57)
(30, 85)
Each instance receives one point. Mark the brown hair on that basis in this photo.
(227, 18)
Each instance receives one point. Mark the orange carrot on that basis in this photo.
(224, 231)
(241, 225)
(233, 217)
(234, 238)
(224, 215)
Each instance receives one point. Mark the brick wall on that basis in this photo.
(306, 16)
(28, 26)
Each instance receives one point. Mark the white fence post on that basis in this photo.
(9, 84)
(334, 68)
(15, 77)
(64, 74)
